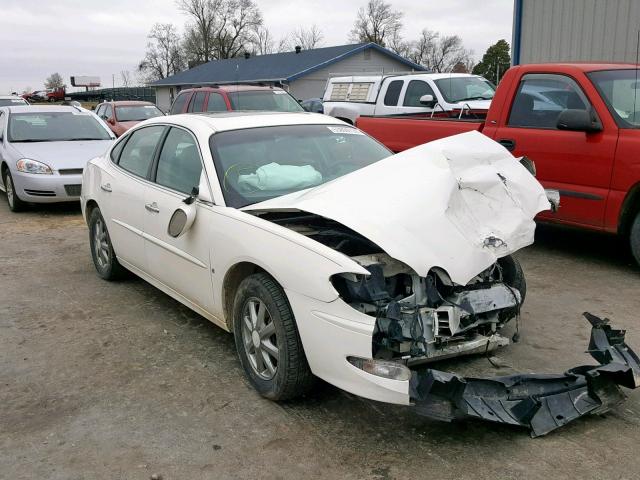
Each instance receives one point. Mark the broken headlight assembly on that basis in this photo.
(423, 318)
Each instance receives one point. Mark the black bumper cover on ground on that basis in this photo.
(539, 402)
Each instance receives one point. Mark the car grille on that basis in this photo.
(73, 190)
(70, 171)
(40, 193)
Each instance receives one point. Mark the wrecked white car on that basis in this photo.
(321, 251)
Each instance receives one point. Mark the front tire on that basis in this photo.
(634, 238)
(15, 204)
(513, 277)
(267, 340)
(104, 258)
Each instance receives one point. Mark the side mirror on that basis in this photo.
(111, 121)
(427, 100)
(578, 121)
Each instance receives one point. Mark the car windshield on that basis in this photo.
(463, 89)
(55, 127)
(620, 89)
(267, 100)
(12, 102)
(137, 113)
(258, 164)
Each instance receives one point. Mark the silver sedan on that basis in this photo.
(43, 152)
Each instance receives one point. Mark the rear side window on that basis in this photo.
(339, 92)
(541, 98)
(393, 93)
(415, 90)
(117, 149)
(178, 104)
(108, 111)
(359, 92)
(197, 102)
(179, 164)
(137, 154)
(216, 103)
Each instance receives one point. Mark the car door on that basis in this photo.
(122, 186)
(180, 263)
(578, 164)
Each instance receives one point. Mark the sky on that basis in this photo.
(98, 38)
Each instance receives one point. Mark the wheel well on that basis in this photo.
(3, 168)
(91, 205)
(630, 209)
(232, 280)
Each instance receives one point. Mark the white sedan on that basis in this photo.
(325, 254)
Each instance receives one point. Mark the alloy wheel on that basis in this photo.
(9, 188)
(101, 244)
(259, 338)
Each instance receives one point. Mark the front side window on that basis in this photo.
(257, 164)
(137, 113)
(178, 105)
(393, 93)
(55, 127)
(415, 90)
(465, 89)
(620, 89)
(267, 100)
(137, 154)
(541, 98)
(216, 103)
(179, 164)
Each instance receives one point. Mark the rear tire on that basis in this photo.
(634, 238)
(267, 340)
(15, 204)
(104, 258)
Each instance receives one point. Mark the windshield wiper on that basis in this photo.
(474, 98)
(30, 140)
(79, 139)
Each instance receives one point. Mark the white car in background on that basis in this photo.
(349, 97)
(12, 101)
(44, 149)
(325, 254)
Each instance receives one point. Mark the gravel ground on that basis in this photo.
(118, 381)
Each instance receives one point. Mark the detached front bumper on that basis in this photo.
(539, 402)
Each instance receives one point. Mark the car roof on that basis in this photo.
(230, 88)
(45, 108)
(237, 120)
(128, 103)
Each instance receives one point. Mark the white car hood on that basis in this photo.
(63, 154)
(459, 203)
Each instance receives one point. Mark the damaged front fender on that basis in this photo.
(539, 402)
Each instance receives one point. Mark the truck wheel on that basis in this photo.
(267, 340)
(634, 238)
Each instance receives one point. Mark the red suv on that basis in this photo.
(234, 97)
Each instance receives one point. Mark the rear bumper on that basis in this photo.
(47, 188)
(540, 402)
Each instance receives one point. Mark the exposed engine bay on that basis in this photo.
(417, 318)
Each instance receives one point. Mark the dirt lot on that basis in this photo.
(117, 380)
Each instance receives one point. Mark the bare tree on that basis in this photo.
(54, 81)
(308, 38)
(376, 22)
(163, 56)
(439, 53)
(125, 76)
(219, 28)
(261, 41)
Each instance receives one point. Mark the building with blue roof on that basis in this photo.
(304, 73)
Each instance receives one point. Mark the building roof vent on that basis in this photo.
(247, 55)
(298, 48)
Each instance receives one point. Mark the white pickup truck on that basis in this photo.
(349, 97)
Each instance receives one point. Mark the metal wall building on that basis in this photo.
(575, 30)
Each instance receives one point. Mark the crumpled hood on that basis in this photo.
(63, 154)
(459, 203)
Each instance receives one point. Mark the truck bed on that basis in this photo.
(402, 132)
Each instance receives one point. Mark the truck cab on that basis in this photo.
(349, 97)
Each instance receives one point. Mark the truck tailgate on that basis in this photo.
(402, 133)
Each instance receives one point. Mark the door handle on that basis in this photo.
(508, 144)
(106, 187)
(152, 207)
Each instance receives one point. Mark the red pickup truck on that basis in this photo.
(579, 123)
